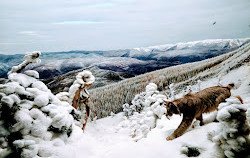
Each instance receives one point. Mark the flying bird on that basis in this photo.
(214, 23)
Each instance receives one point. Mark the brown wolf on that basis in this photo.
(193, 105)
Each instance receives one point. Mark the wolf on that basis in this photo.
(193, 105)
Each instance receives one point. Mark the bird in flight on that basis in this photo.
(214, 23)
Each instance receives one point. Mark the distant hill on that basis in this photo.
(131, 61)
(102, 77)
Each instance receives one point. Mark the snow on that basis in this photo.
(22, 79)
(32, 73)
(85, 77)
(41, 100)
(111, 136)
(49, 128)
(102, 139)
(187, 48)
(28, 59)
(232, 135)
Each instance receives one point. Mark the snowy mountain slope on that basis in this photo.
(185, 49)
(110, 137)
(133, 61)
(103, 77)
(30, 102)
(182, 75)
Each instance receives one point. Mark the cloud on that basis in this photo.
(103, 5)
(29, 33)
(118, 24)
(16, 43)
(78, 22)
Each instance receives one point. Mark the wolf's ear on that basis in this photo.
(168, 107)
(172, 108)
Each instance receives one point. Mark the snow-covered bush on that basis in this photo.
(199, 85)
(172, 91)
(187, 90)
(232, 137)
(78, 96)
(32, 117)
(146, 108)
(136, 106)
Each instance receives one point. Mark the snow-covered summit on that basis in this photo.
(194, 47)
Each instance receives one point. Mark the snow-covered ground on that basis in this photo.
(106, 138)
(36, 123)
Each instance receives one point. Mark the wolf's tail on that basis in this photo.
(238, 97)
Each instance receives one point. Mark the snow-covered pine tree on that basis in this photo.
(146, 108)
(172, 91)
(34, 121)
(199, 85)
(232, 137)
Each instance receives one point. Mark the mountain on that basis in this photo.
(102, 77)
(181, 75)
(131, 61)
(35, 123)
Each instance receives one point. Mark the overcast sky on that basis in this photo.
(62, 25)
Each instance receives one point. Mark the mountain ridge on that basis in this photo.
(131, 61)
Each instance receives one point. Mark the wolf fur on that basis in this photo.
(193, 105)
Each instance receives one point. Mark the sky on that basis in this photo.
(63, 25)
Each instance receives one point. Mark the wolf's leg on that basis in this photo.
(86, 119)
(200, 118)
(185, 123)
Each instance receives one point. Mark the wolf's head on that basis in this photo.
(172, 108)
